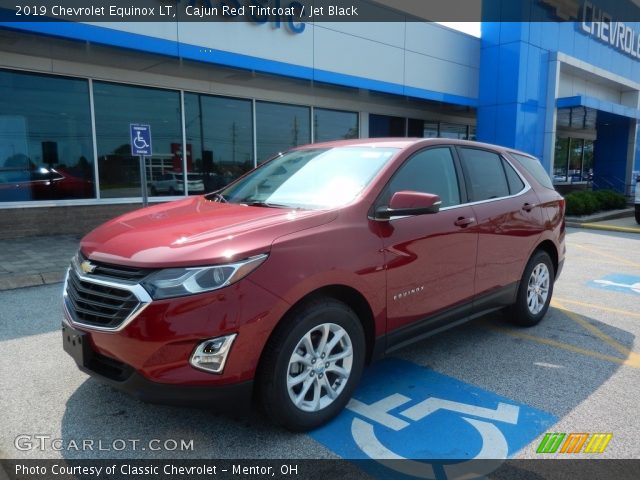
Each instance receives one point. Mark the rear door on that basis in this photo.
(509, 223)
(430, 259)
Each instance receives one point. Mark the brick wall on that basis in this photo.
(29, 222)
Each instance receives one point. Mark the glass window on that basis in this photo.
(513, 179)
(415, 128)
(485, 174)
(386, 126)
(587, 160)
(220, 139)
(334, 125)
(430, 130)
(575, 159)
(428, 171)
(280, 127)
(117, 106)
(560, 160)
(535, 168)
(310, 178)
(472, 132)
(452, 130)
(46, 147)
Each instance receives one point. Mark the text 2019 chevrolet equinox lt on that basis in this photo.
(284, 284)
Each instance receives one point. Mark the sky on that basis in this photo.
(472, 28)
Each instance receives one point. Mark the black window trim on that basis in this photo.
(526, 188)
(459, 176)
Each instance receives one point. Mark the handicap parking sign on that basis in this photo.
(421, 424)
(140, 139)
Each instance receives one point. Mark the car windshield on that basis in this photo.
(193, 177)
(310, 179)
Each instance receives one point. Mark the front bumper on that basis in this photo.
(229, 397)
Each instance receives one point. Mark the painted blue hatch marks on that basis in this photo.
(404, 411)
(620, 283)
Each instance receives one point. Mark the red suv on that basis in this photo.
(284, 284)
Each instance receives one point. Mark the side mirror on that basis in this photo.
(406, 203)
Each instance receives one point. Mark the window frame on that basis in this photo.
(457, 168)
(503, 158)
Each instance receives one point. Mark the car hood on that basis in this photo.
(194, 231)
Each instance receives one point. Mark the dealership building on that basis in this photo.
(223, 97)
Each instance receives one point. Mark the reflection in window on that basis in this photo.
(386, 126)
(587, 161)
(45, 138)
(560, 160)
(280, 127)
(486, 174)
(117, 106)
(575, 159)
(452, 130)
(334, 125)
(430, 130)
(220, 138)
(429, 171)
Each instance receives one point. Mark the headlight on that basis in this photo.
(177, 282)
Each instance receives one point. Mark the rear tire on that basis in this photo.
(638, 212)
(311, 365)
(534, 292)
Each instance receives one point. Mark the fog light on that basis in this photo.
(211, 355)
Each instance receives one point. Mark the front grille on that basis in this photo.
(119, 272)
(98, 305)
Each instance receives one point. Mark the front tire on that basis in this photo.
(534, 292)
(638, 212)
(312, 365)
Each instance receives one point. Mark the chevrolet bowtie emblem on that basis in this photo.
(87, 267)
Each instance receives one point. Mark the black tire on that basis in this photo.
(275, 364)
(638, 213)
(153, 190)
(521, 313)
(172, 191)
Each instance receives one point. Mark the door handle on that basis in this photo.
(464, 221)
(527, 207)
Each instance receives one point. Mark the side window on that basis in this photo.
(485, 175)
(428, 171)
(516, 184)
(535, 168)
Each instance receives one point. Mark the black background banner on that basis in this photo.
(309, 469)
(316, 10)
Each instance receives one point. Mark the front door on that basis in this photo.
(430, 259)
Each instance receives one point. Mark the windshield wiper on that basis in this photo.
(261, 203)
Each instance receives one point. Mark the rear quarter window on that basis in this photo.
(535, 168)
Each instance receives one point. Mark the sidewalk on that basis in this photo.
(31, 261)
(617, 221)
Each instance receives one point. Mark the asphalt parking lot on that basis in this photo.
(485, 388)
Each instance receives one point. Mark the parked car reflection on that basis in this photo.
(42, 183)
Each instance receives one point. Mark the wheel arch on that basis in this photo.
(345, 294)
(549, 247)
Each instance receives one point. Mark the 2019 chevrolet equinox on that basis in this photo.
(284, 284)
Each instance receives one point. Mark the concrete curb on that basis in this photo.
(601, 216)
(11, 282)
(597, 226)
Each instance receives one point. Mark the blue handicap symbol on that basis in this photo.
(619, 283)
(140, 139)
(404, 411)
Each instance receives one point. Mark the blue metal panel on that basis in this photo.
(602, 105)
(610, 151)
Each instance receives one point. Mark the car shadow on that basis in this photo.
(486, 352)
(535, 366)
